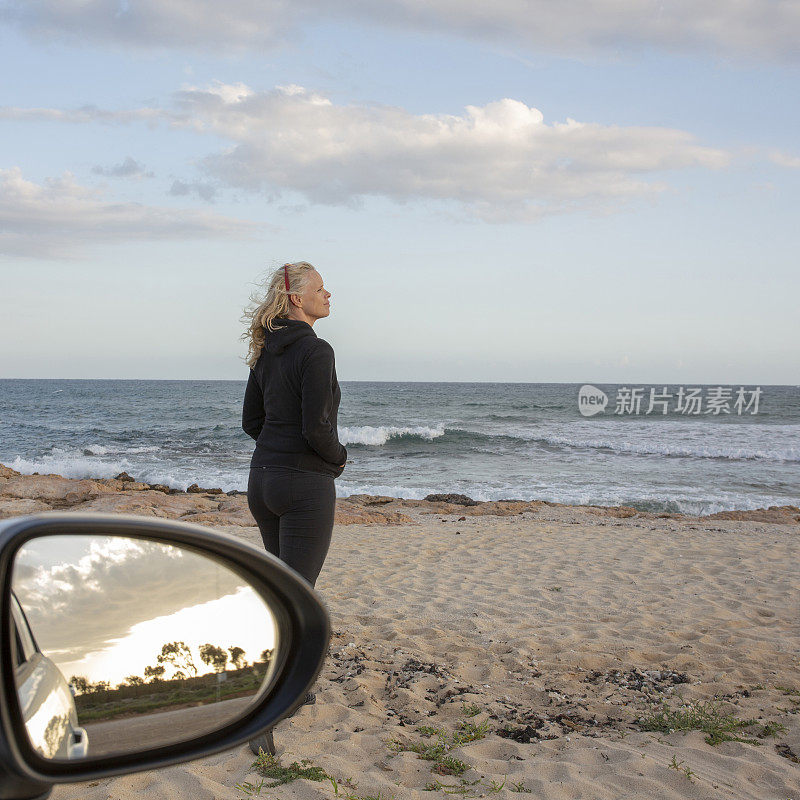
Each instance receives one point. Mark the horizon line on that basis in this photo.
(521, 383)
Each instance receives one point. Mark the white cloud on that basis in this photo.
(59, 218)
(203, 190)
(762, 28)
(129, 168)
(501, 161)
(784, 159)
(79, 607)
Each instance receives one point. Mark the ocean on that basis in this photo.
(489, 441)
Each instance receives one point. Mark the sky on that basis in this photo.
(587, 192)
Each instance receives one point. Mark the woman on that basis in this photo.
(290, 408)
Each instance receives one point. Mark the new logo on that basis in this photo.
(591, 400)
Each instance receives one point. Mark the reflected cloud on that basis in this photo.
(103, 607)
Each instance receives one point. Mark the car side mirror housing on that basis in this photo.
(132, 643)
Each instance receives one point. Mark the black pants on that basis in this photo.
(294, 511)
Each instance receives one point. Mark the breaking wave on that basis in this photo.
(369, 435)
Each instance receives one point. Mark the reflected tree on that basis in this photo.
(214, 656)
(237, 654)
(54, 735)
(179, 657)
(155, 674)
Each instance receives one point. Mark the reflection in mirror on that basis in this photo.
(122, 644)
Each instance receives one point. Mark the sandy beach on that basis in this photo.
(551, 632)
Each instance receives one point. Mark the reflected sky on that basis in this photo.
(102, 607)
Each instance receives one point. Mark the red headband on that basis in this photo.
(286, 276)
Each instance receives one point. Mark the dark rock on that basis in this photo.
(454, 499)
(379, 500)
(787, 752)
(638, 680)
(526, 734)
(123, 476)
(195, 489)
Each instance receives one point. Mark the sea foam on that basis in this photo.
(369, 435)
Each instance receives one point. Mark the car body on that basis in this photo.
(46, 701)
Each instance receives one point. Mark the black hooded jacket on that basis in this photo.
(292, 400)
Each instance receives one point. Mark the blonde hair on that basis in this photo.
(262, 313)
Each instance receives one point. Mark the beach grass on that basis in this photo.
(771, 729)
(469, 732)
(449, 765)
(270, 767)
(678, 767)
(710, 717)
(438, 751)
(250, 789)
(466, 787)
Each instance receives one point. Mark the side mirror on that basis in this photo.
(131, 643)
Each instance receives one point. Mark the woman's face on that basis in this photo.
(316, 298)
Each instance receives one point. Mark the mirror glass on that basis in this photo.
(123, 644)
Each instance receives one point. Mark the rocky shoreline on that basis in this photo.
(31, 494)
